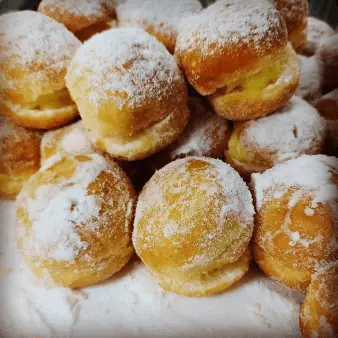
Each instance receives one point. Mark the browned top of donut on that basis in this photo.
(229, 36)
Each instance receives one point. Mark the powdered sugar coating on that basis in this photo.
(164, 16)
(61, 210)
(308, 174)
(126, 66)
(295, 129)
(173, 205)
(33, 41)
(255, 24)
(310, 78)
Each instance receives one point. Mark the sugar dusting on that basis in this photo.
(255, 24)
(295, 129)
(127, 65)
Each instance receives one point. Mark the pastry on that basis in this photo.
(193, 223)
(319, 315)
(35, 53)
(84, 18)
(19, 156)
(328, 53)
(130, 93)
(257, 145)
(297, 218)
(310, 78)
(159, 18)
(73, 220)
(236, 52)
(206, 135)
(295, 14)
(317, 31)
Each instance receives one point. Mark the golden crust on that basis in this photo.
(247, 104)
(319, 313)
(19, 156)
(182, 232)
(209, 62)
(89, 239)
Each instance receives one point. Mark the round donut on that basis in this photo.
(292, 200)
(193, 224)
(317, 31)
(319, 314)
(295, 14)
(328, 53)
(236, 52)
(159, 18)
(130, 93)
(73, 220)
(257, 145)
(310, 78)
(206, 135)
(19, 156)
(84, 18)
(33, 66)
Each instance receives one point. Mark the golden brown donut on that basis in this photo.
(236, 52)
(35, 53)
(19, 156)
(294, 130)
(319, 314)
(328, 53)
(310, 78)
(73, 220)
(193, 223)
(297, 218)
(84, 18)
(317, 31)
(295, 14)
(130, 93)
(205, 135)
(159, 18)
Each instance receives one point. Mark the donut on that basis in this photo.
(159, 18)
(32, 69)
(257, 145)
(19, 156)
(193, 224)
(206, 135)
(295, 14)
(317, 31)
(130, 93)
(310, 78)
(296, 225)
(328, 53)
(84, 18)
(236, 53)
(319, 314)
(71, 139)
(73, 220)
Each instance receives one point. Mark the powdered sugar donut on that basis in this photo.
(193, 223)
(159, 18)
(84, 18)
(294, 130)
(319, 315)
(35, 53)
(328, 53)
(292, 199)
(317, 31)
(236, 52)
(73, 220)
(310, 78)
(19, 156)
(130, 93)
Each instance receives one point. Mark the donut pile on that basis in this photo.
(210, 114)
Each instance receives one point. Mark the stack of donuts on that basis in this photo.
(197, 138)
